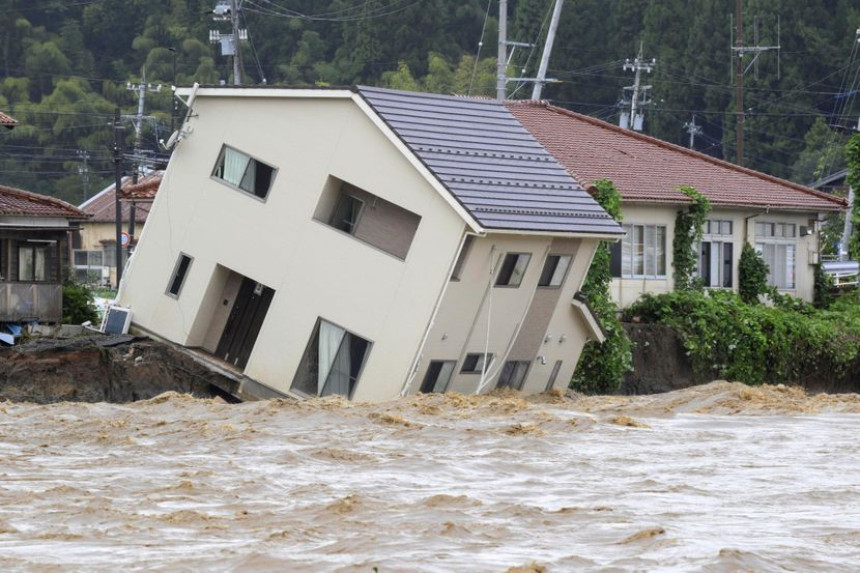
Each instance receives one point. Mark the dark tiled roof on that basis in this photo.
(102, 207)
(24, 203)
(7, 121)
(497, 171)
(645, 169)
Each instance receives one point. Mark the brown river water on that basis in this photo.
(715, 478)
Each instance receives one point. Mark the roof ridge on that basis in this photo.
(40, 199)
(676, 148)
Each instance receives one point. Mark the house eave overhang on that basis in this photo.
(560, 234)
(595, 331)
(261, 92)
(739, 206)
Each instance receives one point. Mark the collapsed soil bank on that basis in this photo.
(51, 370)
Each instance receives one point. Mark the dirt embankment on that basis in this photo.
(50, 370)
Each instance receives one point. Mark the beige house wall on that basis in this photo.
(626, 291)
(315, 270)
(510, 323)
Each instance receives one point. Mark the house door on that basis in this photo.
(243, 326)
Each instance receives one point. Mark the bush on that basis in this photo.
(752, 276)
(790, 342)
(78, 306)
(602, 366)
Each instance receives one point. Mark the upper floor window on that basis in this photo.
(554, 270)
(244, 172)
(641, 253)
(513, 269)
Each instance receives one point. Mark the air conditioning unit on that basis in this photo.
(116, 320)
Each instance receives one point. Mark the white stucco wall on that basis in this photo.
(625, 291)
(461, 326)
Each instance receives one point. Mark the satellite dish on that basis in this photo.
(171, 141)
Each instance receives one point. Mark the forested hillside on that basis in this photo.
(65, 65)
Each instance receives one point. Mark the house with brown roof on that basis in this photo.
(34, 252)
(94, 255)
(781, 219)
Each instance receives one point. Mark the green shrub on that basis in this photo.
(790, 342)
(752, 276)
(688, 231)
(78, 306)
(602, 366)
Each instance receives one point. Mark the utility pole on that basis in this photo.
(502, 63)
(141, 90)
(740, 70)
(85, 170)
(173, 94)
(640, 92)
(117, 160)
(537, 90)
(230, 42)
(237, 56)
(739, 80)
(693, 130)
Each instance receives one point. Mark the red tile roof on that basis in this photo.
(102, 207)
(645, 169)
(7, 121)
(145, 189)
(24, 203)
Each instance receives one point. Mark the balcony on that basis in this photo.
(41, 301)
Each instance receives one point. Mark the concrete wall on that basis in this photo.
(626, 291)
(520, 319)
(315, 270)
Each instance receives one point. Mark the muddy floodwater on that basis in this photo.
(714, 478)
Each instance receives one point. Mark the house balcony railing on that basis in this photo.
(40, 301)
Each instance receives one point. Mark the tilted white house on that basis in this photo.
(366, 242)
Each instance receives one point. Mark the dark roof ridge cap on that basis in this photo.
(42, 199)
(677, 148)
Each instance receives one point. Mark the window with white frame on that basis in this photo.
(716, 250)
(777, 244)
(642, 252)
(244, 172)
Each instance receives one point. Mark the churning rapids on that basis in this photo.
(715, 478)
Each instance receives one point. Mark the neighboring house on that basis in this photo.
(781, 219)
(366, 243)
(7, 121)
(34, 253)
(94, 256)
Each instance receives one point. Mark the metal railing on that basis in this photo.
(40, 301)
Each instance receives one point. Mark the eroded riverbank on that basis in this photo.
(714, 478)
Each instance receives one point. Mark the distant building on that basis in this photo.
(779, 218)
(366, 243)
(34, 254)
(94, 256)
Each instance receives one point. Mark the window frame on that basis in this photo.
(315, 336)
(518, 369)
(628, 242)
(442, 364)
(478, 357)
(502, 266)
(46, 260)
(175, 275)
(219, 165)
(779, 236)
(554, 270)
